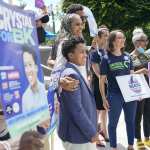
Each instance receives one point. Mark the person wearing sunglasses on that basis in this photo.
(77, 9)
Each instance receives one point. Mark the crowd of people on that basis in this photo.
(84, 105)
(87, 88)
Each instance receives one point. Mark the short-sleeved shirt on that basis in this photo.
(96, 56)
(113, 66)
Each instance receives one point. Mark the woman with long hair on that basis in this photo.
(117, 63)
(95, 59)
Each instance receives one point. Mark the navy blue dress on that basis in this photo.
(95, 57)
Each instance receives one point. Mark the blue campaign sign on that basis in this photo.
(52, 96)
(22, 90)
(53, 114)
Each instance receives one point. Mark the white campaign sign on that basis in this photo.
(133, 87)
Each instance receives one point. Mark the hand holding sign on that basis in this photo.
(134, 87)
(23, 96)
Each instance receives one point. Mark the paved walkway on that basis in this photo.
(121, 137)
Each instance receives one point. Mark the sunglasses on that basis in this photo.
(84, 18)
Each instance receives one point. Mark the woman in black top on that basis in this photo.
(95, 58)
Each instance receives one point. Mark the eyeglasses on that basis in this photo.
(84, 18)
(143, 40)
(121, 38)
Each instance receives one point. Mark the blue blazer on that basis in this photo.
(77, 118)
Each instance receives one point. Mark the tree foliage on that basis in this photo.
(119, 14)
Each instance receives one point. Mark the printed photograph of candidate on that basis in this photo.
(34, 96)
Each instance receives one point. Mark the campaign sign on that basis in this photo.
(22, 90)
(133, 87)
(53, 115)
(52, 99)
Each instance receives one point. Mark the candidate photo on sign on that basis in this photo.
(34, 96)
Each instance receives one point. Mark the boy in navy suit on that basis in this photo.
(77, 118)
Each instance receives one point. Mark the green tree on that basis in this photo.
(119, 14)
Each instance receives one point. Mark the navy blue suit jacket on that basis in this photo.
(77, 120)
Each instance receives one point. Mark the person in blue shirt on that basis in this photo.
(34, 96)
(117, 63)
